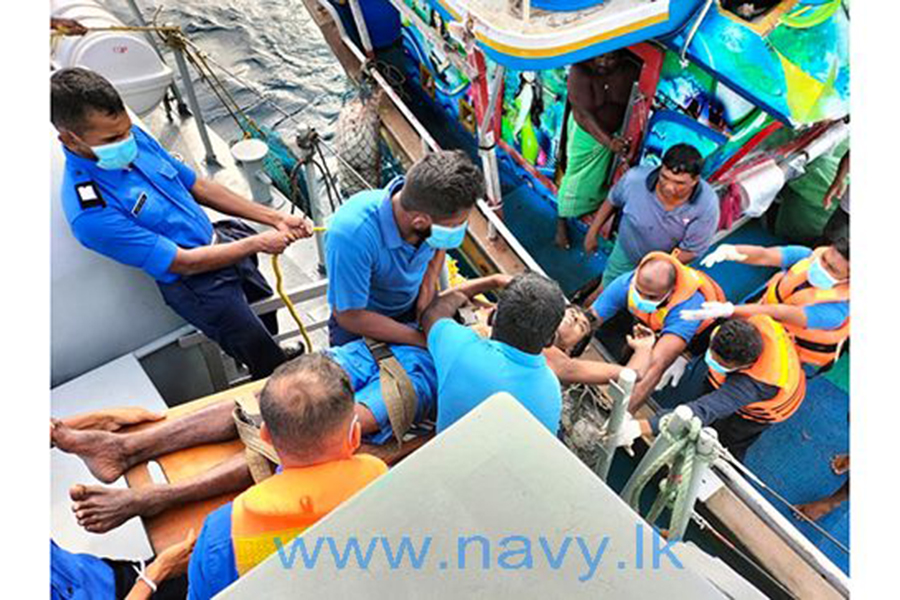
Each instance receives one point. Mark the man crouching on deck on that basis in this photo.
(307, 411)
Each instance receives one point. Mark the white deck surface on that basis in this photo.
(122, 382)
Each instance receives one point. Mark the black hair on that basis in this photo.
(683, 158)
(529, 312)
(842, 245)
(441, 184)
(303, 402)
(579, 348)
(76, 92)
(737, 342)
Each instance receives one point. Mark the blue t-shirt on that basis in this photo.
(615, 298)
(470, 369)
(827, 315)
(369, 264)
(137, 216)
(213, 566)
(79, 576)
(647, 226)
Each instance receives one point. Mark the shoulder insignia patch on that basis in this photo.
(88, 195)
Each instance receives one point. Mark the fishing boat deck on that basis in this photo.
(813, 435)
(818, 431)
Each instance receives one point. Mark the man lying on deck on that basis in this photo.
(658, 294)
(307, 411)
(523, 356)
(100, 509)
(570, 340)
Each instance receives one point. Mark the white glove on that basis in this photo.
(709, 310)
(673, 374)
(722, 253)
(630, 431)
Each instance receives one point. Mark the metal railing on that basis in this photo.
(212, 353)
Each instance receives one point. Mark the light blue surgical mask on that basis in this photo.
(117, 155)
(819, 276)
(714, 364)
(445, 238)
(642, 304)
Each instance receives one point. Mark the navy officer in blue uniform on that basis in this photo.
(384, 248)
(128, 199)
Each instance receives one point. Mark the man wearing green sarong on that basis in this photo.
(808, 206)
(599, 89)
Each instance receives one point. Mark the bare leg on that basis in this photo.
(562, 234)
(108, 455)
(819, 508)
(99, 509)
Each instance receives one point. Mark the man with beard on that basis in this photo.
(385, 248)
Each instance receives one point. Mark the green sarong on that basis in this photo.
(583, 187)
(617, 264)
(801, 217)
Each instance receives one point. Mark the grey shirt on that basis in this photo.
(647, 226)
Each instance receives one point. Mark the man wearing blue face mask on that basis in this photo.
(749, 379)
(384, 248)
(128, 199)
(657, 294)
(810, 296)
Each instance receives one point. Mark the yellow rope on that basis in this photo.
(63, 31)
(279, 286)
(198, 59)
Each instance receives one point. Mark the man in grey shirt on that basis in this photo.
(663, 208)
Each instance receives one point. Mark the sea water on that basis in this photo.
(272, 45)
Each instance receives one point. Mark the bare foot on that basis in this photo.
(818, 509)
(562, 235)
(840, 464)
(99, 509)
(103, 453)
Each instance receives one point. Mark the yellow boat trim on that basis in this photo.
(571, 47)
(452, 12)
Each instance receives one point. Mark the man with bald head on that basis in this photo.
(656, 294)
(308, 416)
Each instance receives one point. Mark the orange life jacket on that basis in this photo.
(779, 366)
(687, 282)
(286, 504)
(818, 347)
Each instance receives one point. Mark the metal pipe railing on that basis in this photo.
(620, 394)
(195, 106)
